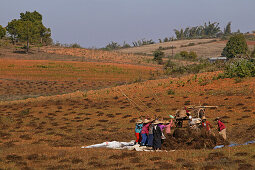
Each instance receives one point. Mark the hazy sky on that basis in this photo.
(94, 23)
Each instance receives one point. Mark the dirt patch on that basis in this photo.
(241, 134)
(245, 166)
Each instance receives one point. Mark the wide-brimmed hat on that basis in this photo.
(166, 122)
(146, 121)
(156, 122)
(139, 121)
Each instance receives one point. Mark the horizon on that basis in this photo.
(96, 23)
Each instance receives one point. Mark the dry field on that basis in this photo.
(31, 78)
(205, 48)
(101, 55)
(47, 132)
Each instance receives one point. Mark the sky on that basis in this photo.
(95, 23)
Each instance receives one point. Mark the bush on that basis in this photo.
(169, 64)
(158, 55)
(253, 53)
(190, 55)
(170, 92)
(184, 54)
(236, 45)
(75, 45)
(240, 68)
(2, 32)
(112, 46)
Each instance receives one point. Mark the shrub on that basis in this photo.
(75, 45)
(184, 54)
(236, 45)
(240, 68)
(190, 55)
(253, 52)
(112, 46)
(169, 64)
(2, 32)
(170, 92)
(158, 55)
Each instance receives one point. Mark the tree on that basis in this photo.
(158, 56)
(29, 31)
(227, 30)
(12, 29)
(112, 46)
(29, 28)
(2, 32)
(236, 45)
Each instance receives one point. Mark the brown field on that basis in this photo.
(32, 78)
(101, 55)
(205, 48)
(42, 128)
(47, 132)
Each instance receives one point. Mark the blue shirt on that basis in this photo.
(138, 128)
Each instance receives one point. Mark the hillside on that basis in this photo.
(47, 132)
(205, 48)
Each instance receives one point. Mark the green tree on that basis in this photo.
(158, 56)
(2, 32)
(12, 29)
(227, 30)
(29, 28)
(236, 45)
(29, 31)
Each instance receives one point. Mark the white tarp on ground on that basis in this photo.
(119, 145)
(112, 145)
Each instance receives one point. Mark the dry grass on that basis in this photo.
(47, 132)
(205, 48)
(101, 55)
(32, 78)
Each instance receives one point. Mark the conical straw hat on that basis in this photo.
(146, 121)
(139, 121)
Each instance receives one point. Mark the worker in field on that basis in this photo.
(168, 126)
(157, 135)
(150, 136)
(205, 124)
(145, 132)
(138, 129)
(221, 128)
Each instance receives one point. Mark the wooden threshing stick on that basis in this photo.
(132, 102)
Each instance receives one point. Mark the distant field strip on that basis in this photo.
(65, 70)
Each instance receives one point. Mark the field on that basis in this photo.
(65, 104)
(205, 48)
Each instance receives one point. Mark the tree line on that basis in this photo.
(28, 28)
(210, 30)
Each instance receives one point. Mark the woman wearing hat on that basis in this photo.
(145, 132)
(138, 129)
(206, 124)
(157, 134)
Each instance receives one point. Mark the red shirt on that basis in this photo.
(145, 129)
(221, 125)
(207, 125)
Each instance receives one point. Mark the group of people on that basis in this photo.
(221, 126)
(150, 132)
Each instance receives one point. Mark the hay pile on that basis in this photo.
(190, 139)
